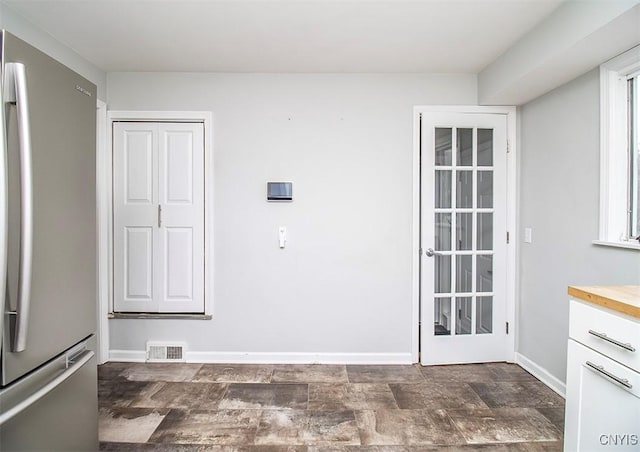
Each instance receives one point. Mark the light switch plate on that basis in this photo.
(527, 235)
(282, 236)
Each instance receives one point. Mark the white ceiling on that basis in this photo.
(430, 36)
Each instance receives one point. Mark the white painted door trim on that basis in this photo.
(105, 212)
(103, 190)
(512, 196)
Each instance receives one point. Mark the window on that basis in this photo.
(634, 156)
(620, 150)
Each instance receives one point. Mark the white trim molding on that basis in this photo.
(273, 358)
(542, 374)
(299, 358)
(512, 196)
(415, 241)
(628, 244)
(128, 356)
(102, 200)
(614, 174)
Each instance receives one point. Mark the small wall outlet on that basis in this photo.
(527, 235)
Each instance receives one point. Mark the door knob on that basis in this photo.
(430, 252)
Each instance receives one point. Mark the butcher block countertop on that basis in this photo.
(624, 299)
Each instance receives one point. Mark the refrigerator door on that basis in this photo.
(55, 407)
(50, 301)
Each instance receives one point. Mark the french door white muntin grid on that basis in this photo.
(470, 347)
(453, 295)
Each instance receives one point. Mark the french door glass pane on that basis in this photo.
(442, 317)
(464, 189)
(484, 282)
(485, 231)
(485, 189)
(442, 274)
(464, 148)
(465, 314)
(485, 147)
(464, 231)
(443, 146)
(443, 189)
(464, 273)
(443, 232)
(484, 315)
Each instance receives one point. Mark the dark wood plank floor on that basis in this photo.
(231, 407)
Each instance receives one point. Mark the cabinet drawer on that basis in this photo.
(601, 409)
(610, 334)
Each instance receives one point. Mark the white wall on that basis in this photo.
(17, 25)
(343, 284)
(559, 198)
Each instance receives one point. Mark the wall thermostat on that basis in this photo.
(279, 191)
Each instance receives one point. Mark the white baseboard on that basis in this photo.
(541, 374)
(273, 358)
(130, 356)
(300, 358)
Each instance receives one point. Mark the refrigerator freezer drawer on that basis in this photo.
(54, 408)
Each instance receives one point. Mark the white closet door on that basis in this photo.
(135, 198)
(158, 205)
(180, 286)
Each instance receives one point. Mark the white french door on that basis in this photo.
(463, 238)
(158, 215)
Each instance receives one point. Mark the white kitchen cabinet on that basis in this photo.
(603, 380)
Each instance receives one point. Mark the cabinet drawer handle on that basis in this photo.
(623, 381)
(604, 337)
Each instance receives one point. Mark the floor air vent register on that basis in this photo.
(160, 352)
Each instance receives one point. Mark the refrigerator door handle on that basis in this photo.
(4, 212)
(15, 91)
(76, 365)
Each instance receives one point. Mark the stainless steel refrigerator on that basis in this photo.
(48, 392)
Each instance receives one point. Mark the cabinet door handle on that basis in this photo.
(600, 369)
(604, 337)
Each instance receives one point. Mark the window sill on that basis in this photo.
(627, 245)
(136, 315)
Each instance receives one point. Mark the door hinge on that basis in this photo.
(507, 237)
(508, 147)
(507, 327)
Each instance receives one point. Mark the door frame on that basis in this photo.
(512, 216)
(103, 227)
(105, 210)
